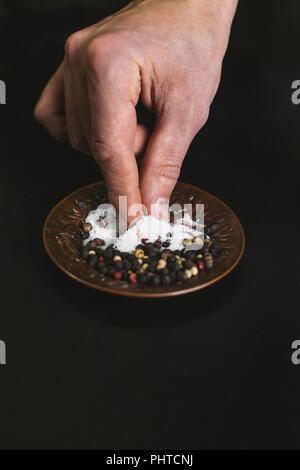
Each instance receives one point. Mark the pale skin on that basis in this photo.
(168, 54)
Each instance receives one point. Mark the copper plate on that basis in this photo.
(61, 237)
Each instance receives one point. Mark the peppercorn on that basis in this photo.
(85, 235)
(111, 271)
(99, 241)
(199, 256)
(152, 266)
(149, 245)
(93, 261)
(156, 280)
(164, 271)
(190, 254)
(188, 264)
(201, 265)
(139, 253)
(145, 266)
(187, 241)
(197, 243)
(166, 244)
(91, 252)
(125, 275)
(85, 253)
(161, 264)
(91, 245)
(108, 254)
(158, 244)
(142, 278)
(194, 270)
(181, 277)
(208, 261)
(144, 240)
(134, 267)
(188, 273)
(166, 279)
(151, 252)
(99, 250)
(102, 268)
(87, 226)
(132, 278)
(117, 258)
(118, 265)
(126, 264)
(215, 249)
(118, 275)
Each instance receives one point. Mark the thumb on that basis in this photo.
(162, 162)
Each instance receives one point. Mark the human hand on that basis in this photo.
(168, 53)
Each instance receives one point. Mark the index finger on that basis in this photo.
(113, 92)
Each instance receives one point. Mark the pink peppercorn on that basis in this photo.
(201, 265)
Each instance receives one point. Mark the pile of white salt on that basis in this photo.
(104, 226)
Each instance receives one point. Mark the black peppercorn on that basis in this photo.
(156, 280)
(142, 278)
(93, 261)
(158, 244)
(126, 264)
(166, 280)
(92, 245)
(102, 268)
(111, 271)
(188, 263)
(118, 265)
(85, 253)
(181, 277)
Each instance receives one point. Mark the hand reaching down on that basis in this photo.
(168, 54)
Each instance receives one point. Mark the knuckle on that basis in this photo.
(168, 170)
(101, 150)
(71, 47)
(40, 113)
(97, 51)
(108, 153)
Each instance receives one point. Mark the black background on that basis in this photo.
(86, 370)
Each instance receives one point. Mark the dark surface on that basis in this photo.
(209, 370)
